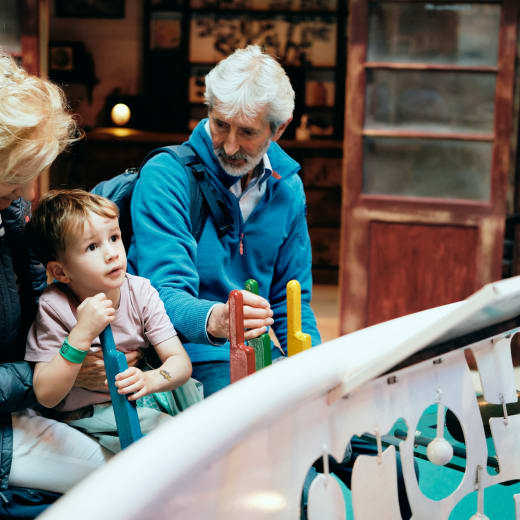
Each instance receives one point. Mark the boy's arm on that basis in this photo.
(174, 372)
(53, 380)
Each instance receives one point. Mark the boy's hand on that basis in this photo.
(133, 381)
(257, 316)
(94, 314)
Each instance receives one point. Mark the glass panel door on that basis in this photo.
(454, 33)
(429, 101)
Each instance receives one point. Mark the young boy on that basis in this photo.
(76, 235)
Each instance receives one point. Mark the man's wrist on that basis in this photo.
(213, 324)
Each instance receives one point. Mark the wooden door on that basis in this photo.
(426, 154)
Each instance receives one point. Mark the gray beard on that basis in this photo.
(240, 171)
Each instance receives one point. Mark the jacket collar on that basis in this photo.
(16, 215)
(200, 140)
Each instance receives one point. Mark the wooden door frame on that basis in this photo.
(35, 48)
(352, 246)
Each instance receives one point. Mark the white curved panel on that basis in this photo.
(244, 452)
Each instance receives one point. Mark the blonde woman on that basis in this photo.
(35, 127)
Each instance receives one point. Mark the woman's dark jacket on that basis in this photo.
(22, 279)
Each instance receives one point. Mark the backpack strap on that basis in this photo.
(203, 199)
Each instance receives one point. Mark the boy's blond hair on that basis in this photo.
(35, 126)
(61, 215)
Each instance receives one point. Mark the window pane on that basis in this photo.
(462, 34)
(427, 168)
(430, 101)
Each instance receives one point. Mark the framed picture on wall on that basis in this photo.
(65, 58)
(295, 41)
(89, 8)
(70, 62)
(61, 58)
(165, 30)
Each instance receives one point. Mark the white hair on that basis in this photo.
(247, 82)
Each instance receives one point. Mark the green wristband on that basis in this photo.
(72, 354)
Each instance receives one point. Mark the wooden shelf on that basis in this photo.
(134, 136)
(145, 136)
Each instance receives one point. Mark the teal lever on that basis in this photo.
(125, 411)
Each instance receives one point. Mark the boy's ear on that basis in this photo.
(56, 270)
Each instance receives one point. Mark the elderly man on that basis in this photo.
(250, 103)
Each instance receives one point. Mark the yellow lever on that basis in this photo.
(296, 339)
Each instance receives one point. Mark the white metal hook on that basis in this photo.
(325, 455)
(379, 447)
(504, 409)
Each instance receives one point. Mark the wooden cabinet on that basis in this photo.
(185, 38)
(108, 151)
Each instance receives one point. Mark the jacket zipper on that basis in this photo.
(238, 213)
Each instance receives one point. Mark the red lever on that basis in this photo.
(241, 357)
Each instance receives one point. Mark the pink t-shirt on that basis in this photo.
(140, 321)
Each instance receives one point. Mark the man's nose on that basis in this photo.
(231, 145)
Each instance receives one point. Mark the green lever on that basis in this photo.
(262, 344)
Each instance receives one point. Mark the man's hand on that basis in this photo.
(92, 373)
(257, 317)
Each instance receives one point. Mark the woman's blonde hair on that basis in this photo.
(35, 126)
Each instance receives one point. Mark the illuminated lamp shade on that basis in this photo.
(120, 114)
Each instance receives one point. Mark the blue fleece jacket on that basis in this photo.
(192, 277)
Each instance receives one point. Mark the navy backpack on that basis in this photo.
(204, 200)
